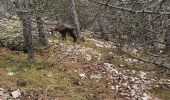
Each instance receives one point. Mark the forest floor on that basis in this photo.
(91, 70)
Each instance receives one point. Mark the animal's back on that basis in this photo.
(65, 27)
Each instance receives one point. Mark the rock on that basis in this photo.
(121, 65)
(115, 87)
(99, 57)
(135, 60)
(16, 93)
(95, 76)
(142, 75)
(50, 74)
(146, 97)
(109, 67)
(111, 53)
(134, 51)
(11, 73)
(141, 62)
(164, 83)
(133, 71)
(114, 47)
(82, 75)
(137, 87)
(6, 96)
(129, 60)
(1, 93)
(130, 86)
(157, 86)
(99, 45)
(88, 57)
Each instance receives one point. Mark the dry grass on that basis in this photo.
(59, 80)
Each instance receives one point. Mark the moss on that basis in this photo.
(161, 92)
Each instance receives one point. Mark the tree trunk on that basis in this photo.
(24, 16)
(41, 34)
(102, 27)
(167, 40)
(76, 20)
(2, 10)
(26, 22)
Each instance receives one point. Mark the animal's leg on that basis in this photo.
(73, 36)
(63, 36)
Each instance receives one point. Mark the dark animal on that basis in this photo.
(64, 29)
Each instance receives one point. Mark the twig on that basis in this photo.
(147, 61)
(132, 11)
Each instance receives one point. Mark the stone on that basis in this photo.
(1, 91)
(16, 93)
(82, 75)
(88, 57)
(95, 76)
(10, 73)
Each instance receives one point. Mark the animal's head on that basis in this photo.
(54, 29)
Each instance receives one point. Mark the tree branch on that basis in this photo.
(132, 11)
(147, 61)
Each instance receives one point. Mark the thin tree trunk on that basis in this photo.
(24, 16)
(102, 27)
(2, 10)
(41, 33)
(26, 22)
(167, 40)
(76, 20)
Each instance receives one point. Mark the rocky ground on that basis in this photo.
(94, 62)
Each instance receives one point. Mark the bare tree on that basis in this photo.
(76, 20)
(102, 26)
(24, 16)
(2, 10)
(167, 39)
(41, 33)
(141, 25)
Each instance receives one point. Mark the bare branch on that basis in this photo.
(132, 11)
(147, 61)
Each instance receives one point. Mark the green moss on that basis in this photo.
(62, 81)
(161, 92)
